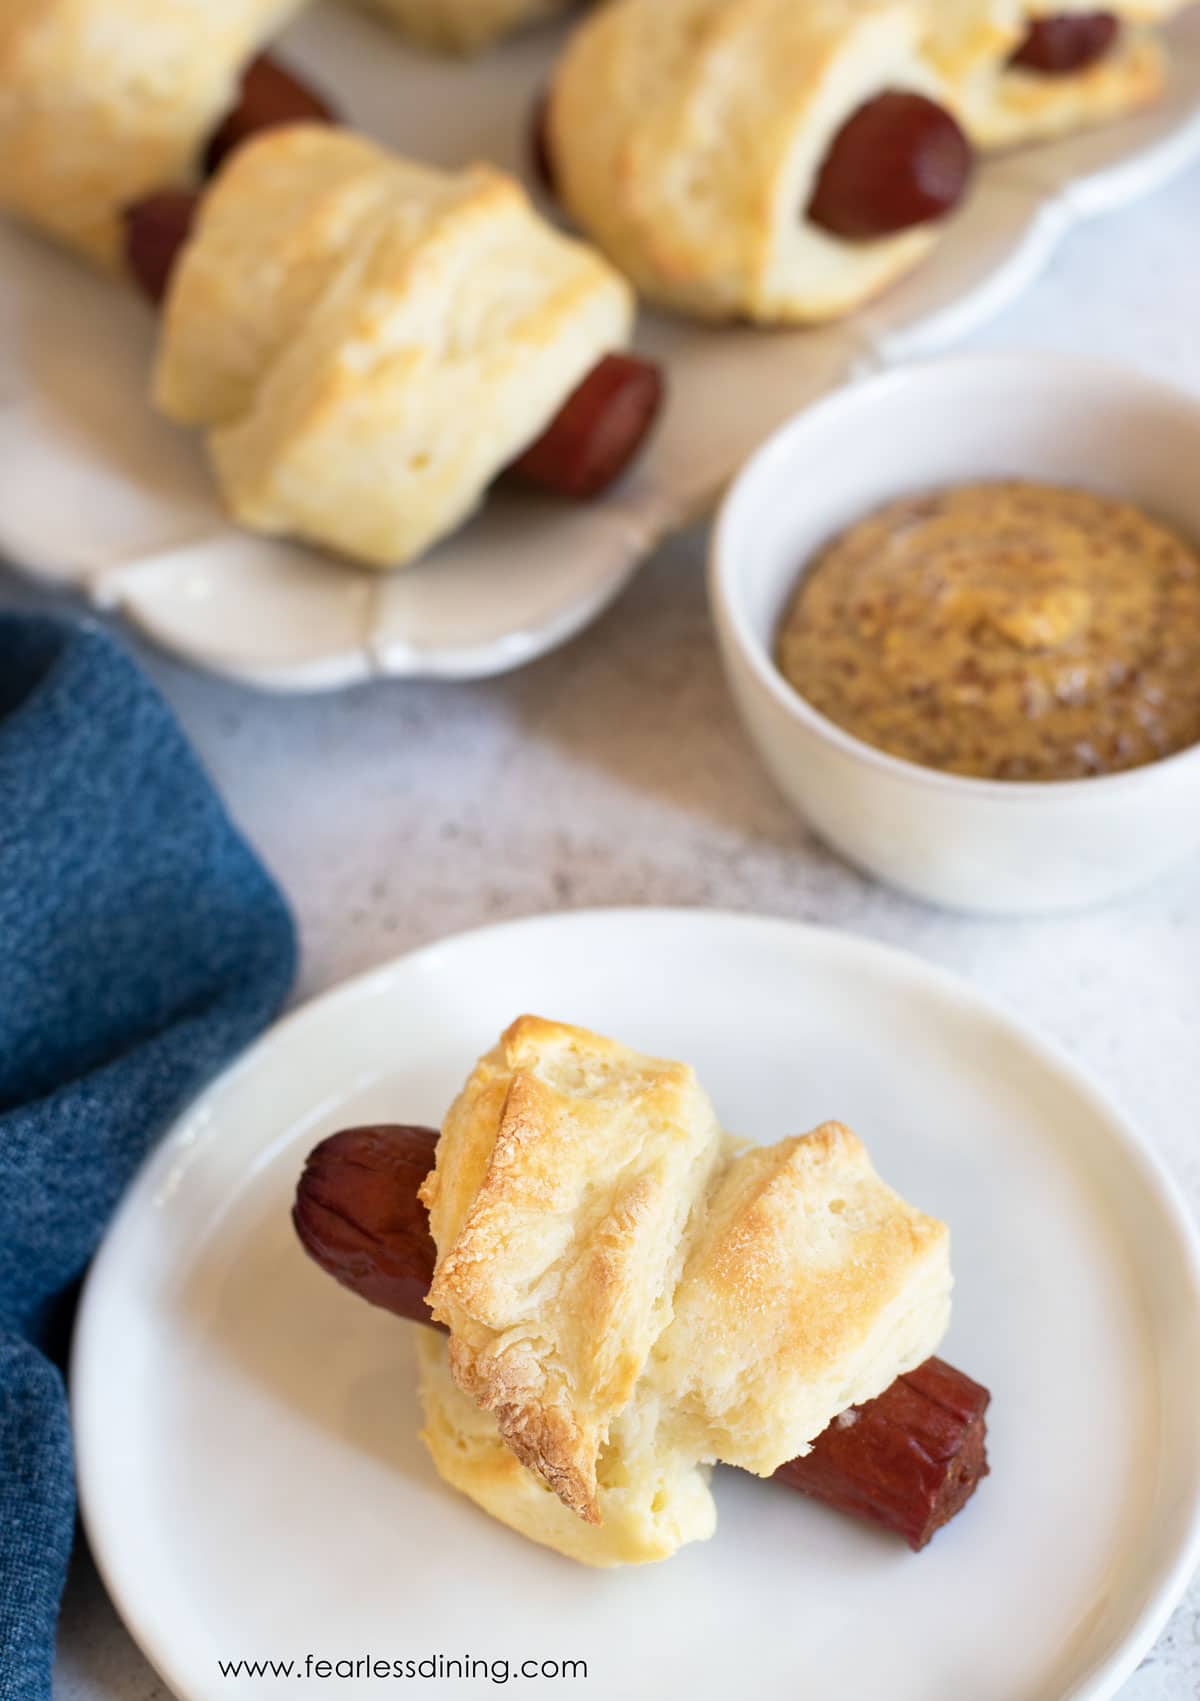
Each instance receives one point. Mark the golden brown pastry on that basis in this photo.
(632, 1295)
(568, 1170)
(809, 1286)
(688, 137)
(102, 101)
(368, 341)
(651, 1498)
(465, 26)
(1009, 88)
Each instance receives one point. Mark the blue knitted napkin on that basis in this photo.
(141, 945)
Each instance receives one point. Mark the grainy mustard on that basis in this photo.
(1010, 630)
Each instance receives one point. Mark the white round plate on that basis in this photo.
(99, 494)
(250, 1471)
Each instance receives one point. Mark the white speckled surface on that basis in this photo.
(614, 772)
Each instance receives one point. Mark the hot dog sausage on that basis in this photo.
(1068, 42)
(899, 161)
(926, 1439)
(270, 95)
(908, 1460)
(597, 431)
(156, 228)
(357, 1214)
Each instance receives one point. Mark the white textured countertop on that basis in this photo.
(615, 772)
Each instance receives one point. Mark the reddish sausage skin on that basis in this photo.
(1071, 41)
(900, 161)
(908, 1460)
(156, 228)
(358, 1216)
(597, 431)
(270, 95)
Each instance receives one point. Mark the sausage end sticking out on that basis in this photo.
(358, 1216)
(909, 1460)
(270, 95)
(597, 431)
(156, 228)
(1067, 42)
(900, 161)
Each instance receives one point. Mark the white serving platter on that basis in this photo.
(99, 495)
(249, 1464)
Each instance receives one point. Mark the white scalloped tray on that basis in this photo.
(98, 494)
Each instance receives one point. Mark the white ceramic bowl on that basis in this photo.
(994, 846)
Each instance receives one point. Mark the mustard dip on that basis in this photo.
(1012, 631)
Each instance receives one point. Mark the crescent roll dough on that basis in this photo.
(369, 342)
(1002, 105)
(102, 101)
(687, 136)
(465, 26)
(632, 1295)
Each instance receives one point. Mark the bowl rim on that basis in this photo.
(730, 617)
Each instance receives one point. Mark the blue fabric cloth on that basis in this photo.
(141, 945)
